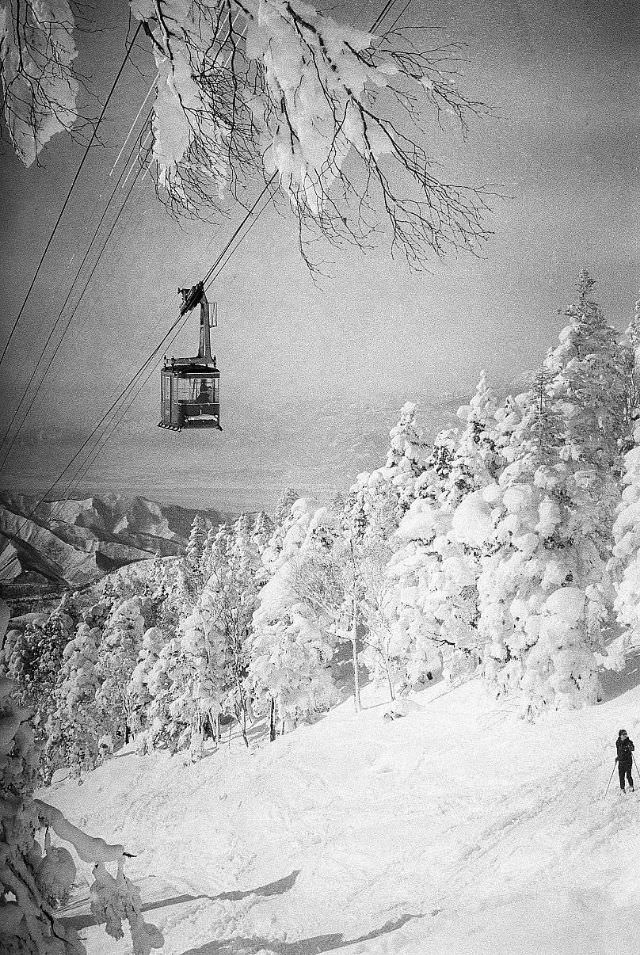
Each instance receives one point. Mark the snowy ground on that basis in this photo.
(456, 829)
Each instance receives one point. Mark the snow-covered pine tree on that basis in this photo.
(476, 459)
(438, 550)
(624, 565)
(631, 348)
(167, 727)
(227, 606)
(153, 641)
(262, 530)
(376, 616)
(191, 569)
(197, 683)
(214, 549)
(117, 658)
(382, 496)
(326, 575)
(291, 646)
(201, 672)
(34, 662)
(436, 480)
(589, 383)
(433, 604)
(280, 520)
(73, 731)
(542, 600)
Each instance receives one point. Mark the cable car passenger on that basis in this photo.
(204, 395)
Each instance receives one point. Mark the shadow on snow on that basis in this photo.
(303, 946)
(86, 919)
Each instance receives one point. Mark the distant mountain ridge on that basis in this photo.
(74, 542)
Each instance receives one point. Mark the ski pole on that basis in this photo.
(610, 778)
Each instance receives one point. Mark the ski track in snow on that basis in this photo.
(455, 829)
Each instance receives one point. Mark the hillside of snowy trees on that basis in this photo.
(508, 548)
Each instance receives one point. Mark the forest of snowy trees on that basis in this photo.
(507, 549)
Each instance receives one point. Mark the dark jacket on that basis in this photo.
(625, 748)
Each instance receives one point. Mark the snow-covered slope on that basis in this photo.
(456, 829)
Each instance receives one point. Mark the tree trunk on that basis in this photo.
(272, 721)
(389, 681)
(354, 656)
(244, 726)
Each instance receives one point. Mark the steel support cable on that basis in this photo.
(69, 193)
(249, 213)
(69, 320)
(382, 14)
(58, 320)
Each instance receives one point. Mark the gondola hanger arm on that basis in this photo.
(191, 297)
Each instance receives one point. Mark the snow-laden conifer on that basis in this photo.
(439, 547)
(291, 645)
(73, 727)
(153, 641)
(624, 565)
(191, 564)
(541, 600)
(117, 658)
(382, 496)
(475, 461)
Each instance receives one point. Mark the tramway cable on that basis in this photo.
(58, 320)
(69, 193)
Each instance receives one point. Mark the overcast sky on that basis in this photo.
(561, 148)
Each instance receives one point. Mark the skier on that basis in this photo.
(625, 749)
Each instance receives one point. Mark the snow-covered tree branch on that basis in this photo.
(39, 84)
(334, 119)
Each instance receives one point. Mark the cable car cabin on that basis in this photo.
(190, 387)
